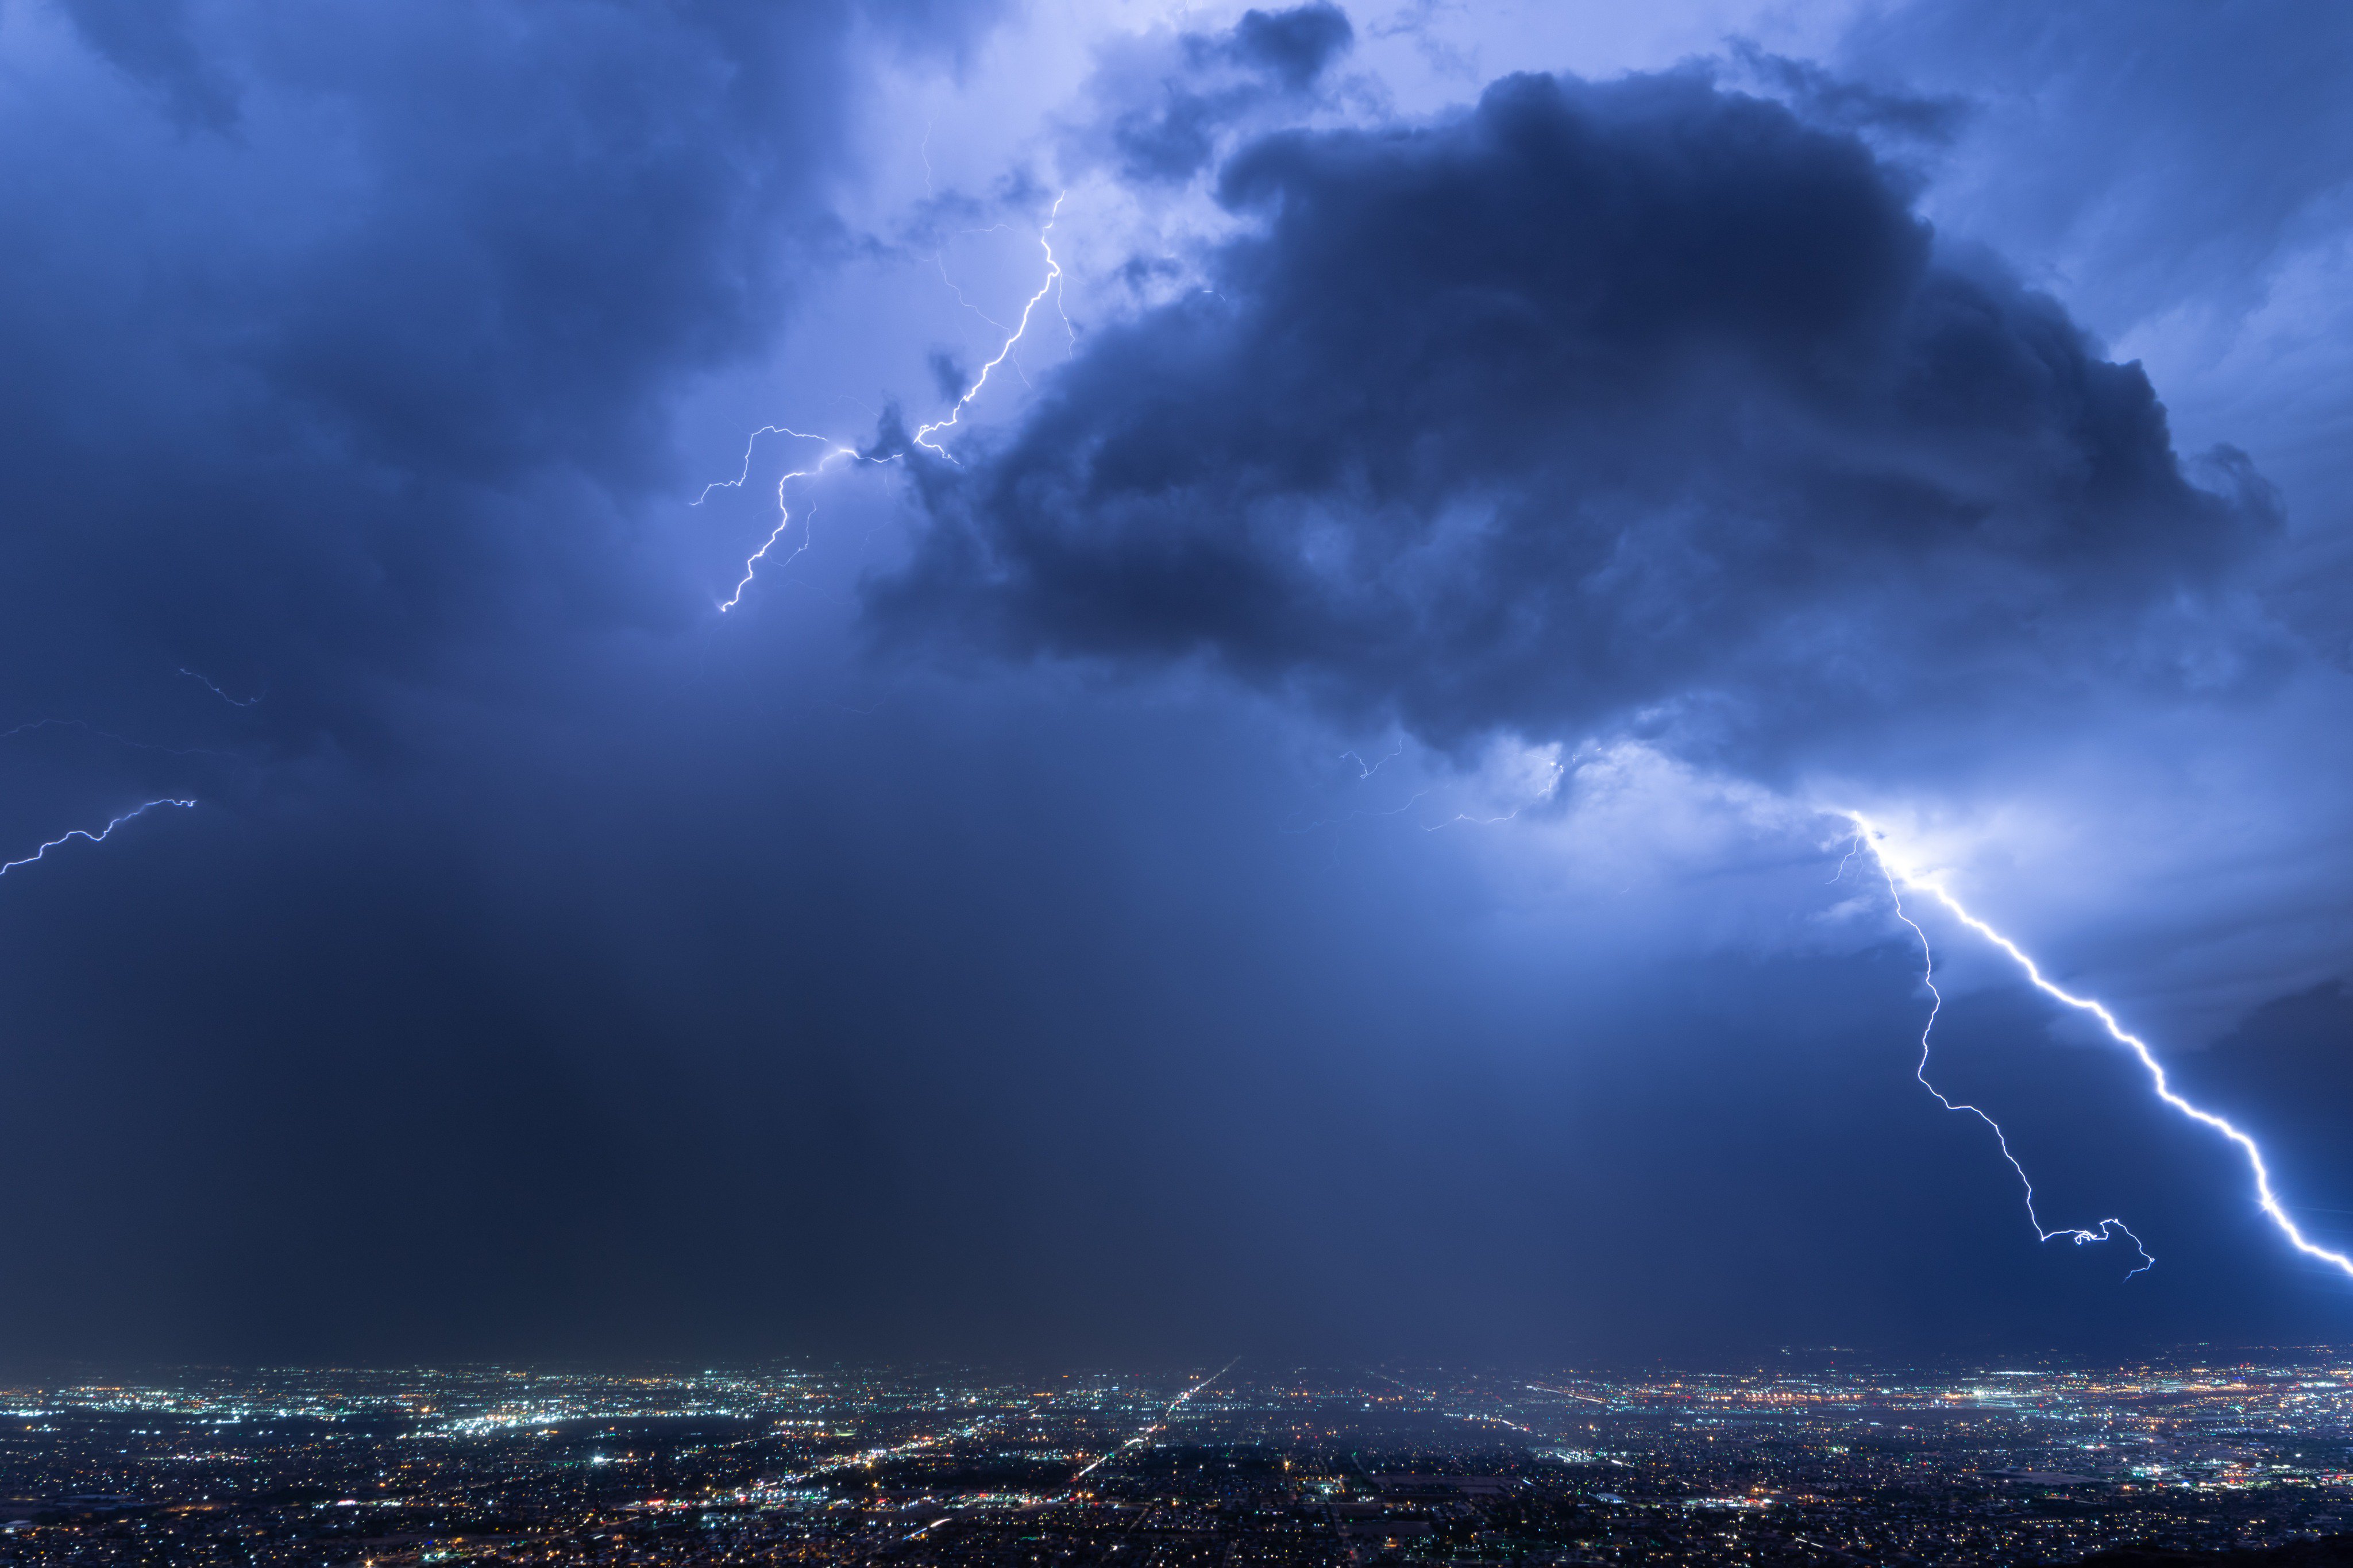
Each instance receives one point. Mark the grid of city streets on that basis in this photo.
(1807, 1460)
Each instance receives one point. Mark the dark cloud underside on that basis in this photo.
(338, 341)
(1594, 399)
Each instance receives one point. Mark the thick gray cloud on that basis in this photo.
(1164, 104)
(338, 342)
(1598, 401)
(2198, 216)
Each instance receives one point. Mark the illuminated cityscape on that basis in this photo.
(1814, 1460)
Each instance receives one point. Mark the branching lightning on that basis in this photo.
(1053, 275)
(1900, 876)
(834, 452)
(97, 837)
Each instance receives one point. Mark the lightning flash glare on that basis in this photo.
(1899, 877)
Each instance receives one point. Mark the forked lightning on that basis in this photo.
(1899, 877)
(836, 450)
(1053, 275)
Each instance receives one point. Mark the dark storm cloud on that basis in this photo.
(1196, 86)
(1593, 400)
(1294, 46)
(2207, 176)
(149, 39)
(337, 339)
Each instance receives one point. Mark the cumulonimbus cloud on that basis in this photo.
(1595, 403)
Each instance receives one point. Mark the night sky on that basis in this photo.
(1310, 820)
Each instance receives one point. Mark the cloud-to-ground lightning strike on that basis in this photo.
(1899, 877)
(1054, 275)
(97, 837)
(2107, 1228)
(834, 450)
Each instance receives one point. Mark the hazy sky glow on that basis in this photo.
(1314, 822)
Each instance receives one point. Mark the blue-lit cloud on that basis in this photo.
(1642, 398)
(1509, 523)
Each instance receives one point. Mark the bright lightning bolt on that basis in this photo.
(1900, 876)
(834, 450)
(1053, 275)
(97, 837)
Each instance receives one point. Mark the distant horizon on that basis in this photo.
(687, 1368)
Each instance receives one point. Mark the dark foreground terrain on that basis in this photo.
(2244, 1460)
